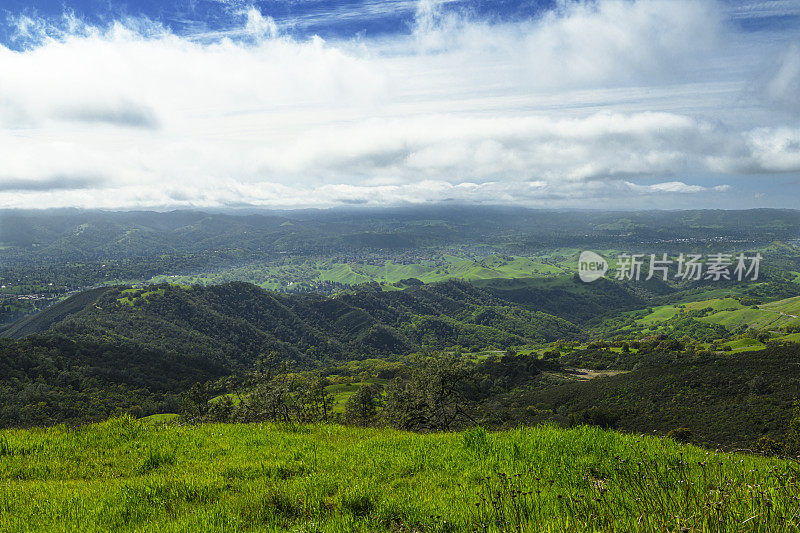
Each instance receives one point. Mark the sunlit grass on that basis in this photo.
(128, 475)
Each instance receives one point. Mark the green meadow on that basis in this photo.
(443, 268)
(131, 475)
(729, 312)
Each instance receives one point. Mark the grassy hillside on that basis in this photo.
(126, 475)
(730, 312)
(296, 274)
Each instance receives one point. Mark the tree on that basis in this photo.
(194, 402)
(314, 402)
(221, 410)
(362, 407)
(433, 399)
(271, 399)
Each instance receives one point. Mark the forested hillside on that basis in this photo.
(50, 379)
(743, 400)
(120, 347)
(235, 323)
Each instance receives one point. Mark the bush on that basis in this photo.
(681, 434)
(769, 446)
(793, 436)
(595, 416)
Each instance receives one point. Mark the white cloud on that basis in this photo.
(783, 88)
(259, 25)
(776, 150)
(576, 106)
(675, 187)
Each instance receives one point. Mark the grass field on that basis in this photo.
(716, 304)
(792, 337)
(659, 314)
(127, 475)
(789, 306)
(445, 267)
(707, 294)
(730, 313)
(744, 345)
(762, 318)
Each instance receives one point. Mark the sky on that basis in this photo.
(624, 104)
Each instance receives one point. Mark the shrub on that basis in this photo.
(681, 434)
(793, 437)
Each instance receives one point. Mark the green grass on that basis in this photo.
(745, 345)
(563, 281)
(134, 294)
(730, 313)
(754, 318)
(166, 418)
(717, 304)
(665, 312)
(716, 292)
(443, 268)
(659, 314)
(125, 475)
(789, 306)
(792, 337)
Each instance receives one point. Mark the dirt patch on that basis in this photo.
(585, 374)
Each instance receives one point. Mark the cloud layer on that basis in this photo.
(615, 101)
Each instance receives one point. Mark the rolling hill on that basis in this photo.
(235, 323)
(731, 399)
(110, 349)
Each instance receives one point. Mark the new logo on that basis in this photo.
(591, 266)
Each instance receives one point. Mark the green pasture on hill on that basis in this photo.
(445, 267)
(128, 475)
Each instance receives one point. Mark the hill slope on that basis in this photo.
(115, 349)
(566, 297)
(124, 474)
(43, 320)
(51, 379)
(721, 398)
(236, 323)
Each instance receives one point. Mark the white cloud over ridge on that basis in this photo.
(609, 101)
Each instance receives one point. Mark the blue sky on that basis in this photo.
(301, 18)
(636, 104)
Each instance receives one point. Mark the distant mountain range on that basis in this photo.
(72, 235)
